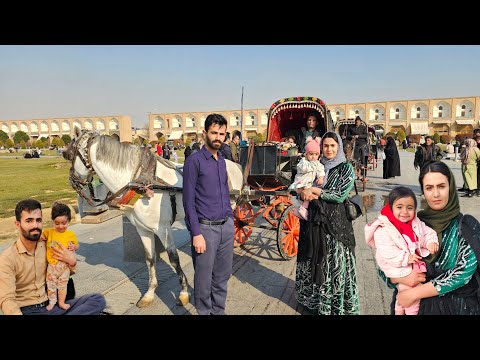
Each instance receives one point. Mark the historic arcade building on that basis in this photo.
(118, 127)
(421, 116)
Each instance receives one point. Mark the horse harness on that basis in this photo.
(143, 179)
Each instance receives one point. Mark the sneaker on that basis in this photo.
(303, 212)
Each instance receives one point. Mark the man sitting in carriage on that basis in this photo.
(312, 130)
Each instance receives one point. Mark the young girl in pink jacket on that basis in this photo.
(401, 239)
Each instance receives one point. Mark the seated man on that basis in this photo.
(311, 130)
(23, 268)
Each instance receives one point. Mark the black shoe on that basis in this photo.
(478, 192)
(461, 189)
(468, 193)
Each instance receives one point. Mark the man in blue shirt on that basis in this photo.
(209, 218)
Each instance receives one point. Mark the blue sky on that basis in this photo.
(62, 81)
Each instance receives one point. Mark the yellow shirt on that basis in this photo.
(53, 237)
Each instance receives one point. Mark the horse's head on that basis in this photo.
(78, 153)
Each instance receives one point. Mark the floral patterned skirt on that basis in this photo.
(338, 295)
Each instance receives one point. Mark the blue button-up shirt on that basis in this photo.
(205, 189)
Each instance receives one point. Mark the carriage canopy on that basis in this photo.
(289, 114)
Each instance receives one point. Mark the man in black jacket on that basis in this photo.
(427, 152)
(311, 130)
(360, 133)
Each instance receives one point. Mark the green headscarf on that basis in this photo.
(439, 220)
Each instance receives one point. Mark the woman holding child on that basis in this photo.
(326, 279)
(451, 286)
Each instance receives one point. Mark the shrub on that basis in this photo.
(414, 138)
(391, 134)
(66, 139)
(401, 135)
(461, 138)
(436, 138)
(445, 139)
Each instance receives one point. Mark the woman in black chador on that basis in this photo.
(391, 164)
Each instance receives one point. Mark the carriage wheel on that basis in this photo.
(288, 232)
(243, 218)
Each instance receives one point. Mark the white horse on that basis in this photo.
(116, 165)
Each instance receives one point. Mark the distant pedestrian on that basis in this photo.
(225, 148)
(391, 164)
(166, 151)
(235, 146)
(470, 157)
(427, 152)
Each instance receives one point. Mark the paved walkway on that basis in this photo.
(262, 283)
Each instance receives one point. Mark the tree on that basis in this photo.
(188, 141)
(436, 138)
(20, 136)
(3, 136)
(414, 138)
(66, 139)
(401, 135)
(258, 138)
(23, 144)
(460, 138)
(57, 142)
(393, 135)
(9, 143)
(445, 139)
(162, 139)
(1, 143)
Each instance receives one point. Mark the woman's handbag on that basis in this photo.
(354, 205)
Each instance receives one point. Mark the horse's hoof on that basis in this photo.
(183, 298)
(143, 303)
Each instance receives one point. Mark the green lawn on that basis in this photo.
(45, 179)
(21, 152)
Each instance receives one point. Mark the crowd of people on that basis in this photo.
(429, 258)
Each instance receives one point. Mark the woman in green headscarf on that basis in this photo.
(451, 287)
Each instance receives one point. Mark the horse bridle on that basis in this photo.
(83, 153)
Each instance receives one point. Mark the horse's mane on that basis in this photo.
(119, 156)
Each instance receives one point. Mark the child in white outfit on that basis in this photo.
(308, 169)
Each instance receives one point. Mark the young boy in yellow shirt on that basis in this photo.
(58, 271)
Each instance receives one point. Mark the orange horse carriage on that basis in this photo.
(269, 169)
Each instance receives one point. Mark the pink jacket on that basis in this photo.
(392, 249)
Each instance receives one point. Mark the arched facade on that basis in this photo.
(376, 113)
(357, 111)
(38, 128)
(419, 111)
